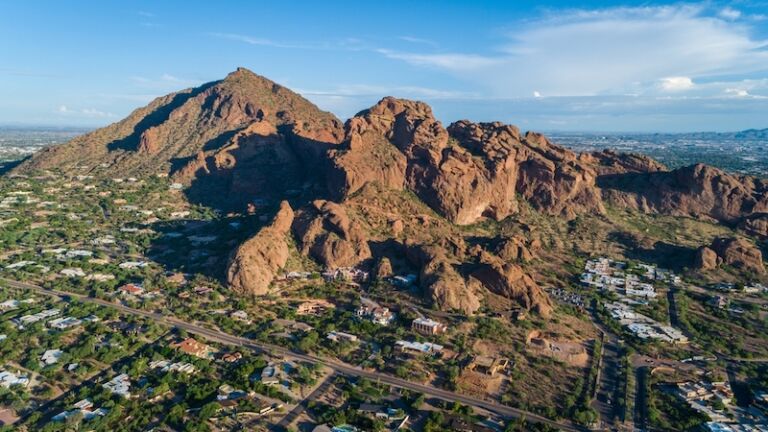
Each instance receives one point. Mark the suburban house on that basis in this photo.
(51, 357)
(8, 379)
(132, 289)
(119, 385)
(338, 336)
(64, 323)
(408, 347)
(374, 312)
(192, 347)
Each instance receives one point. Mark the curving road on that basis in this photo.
(339, 367)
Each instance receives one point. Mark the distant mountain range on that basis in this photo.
(748, 134)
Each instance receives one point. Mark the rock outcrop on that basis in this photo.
(326, 233)
(246, 140)
(511, 281)
(516, 249)
(739, 253)
(609, 162)
(441, 281)
(756, 225)
(707, 259)
(254, 264)
(383, 269)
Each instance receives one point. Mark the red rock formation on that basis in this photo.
(255, 263)
(242, 112)
(383, 269)
(327, 233)
(511, 281)
(608, 162)
(440, 280)
(707, 259)
(148, 143)
(466, 172)
(739, 253)
(756, 225)
(515, 249)
(695, 191)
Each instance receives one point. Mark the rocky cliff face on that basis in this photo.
(440, 280)
(695, 191)
(254, 264)
(465, 172)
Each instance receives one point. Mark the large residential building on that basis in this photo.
(428, 327)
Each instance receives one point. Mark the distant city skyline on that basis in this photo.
(597, 66)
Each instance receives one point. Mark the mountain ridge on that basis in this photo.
(245, 141)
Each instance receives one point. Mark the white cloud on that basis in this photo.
(608, 51)
(418, 40)
(340, 44)
(676, 83)
(737, 92)
(536, 94)
(83, 112)
(451, 61)
(359, 90)
(729, 13)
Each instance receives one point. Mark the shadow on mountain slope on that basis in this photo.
(257, 171)
(662, 254)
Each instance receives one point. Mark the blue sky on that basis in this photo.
(571, 66)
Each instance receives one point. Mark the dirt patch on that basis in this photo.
(480, 385)
(572, 353)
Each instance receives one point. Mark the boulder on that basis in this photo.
(707, 259)
(516, 248)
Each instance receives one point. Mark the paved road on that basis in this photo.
(641, 411)
(293, 414)
(608, 379)
(672, 305)
(343, 368)
(608, 374)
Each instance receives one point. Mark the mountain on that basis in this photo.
(391, 187)
(246, 135)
